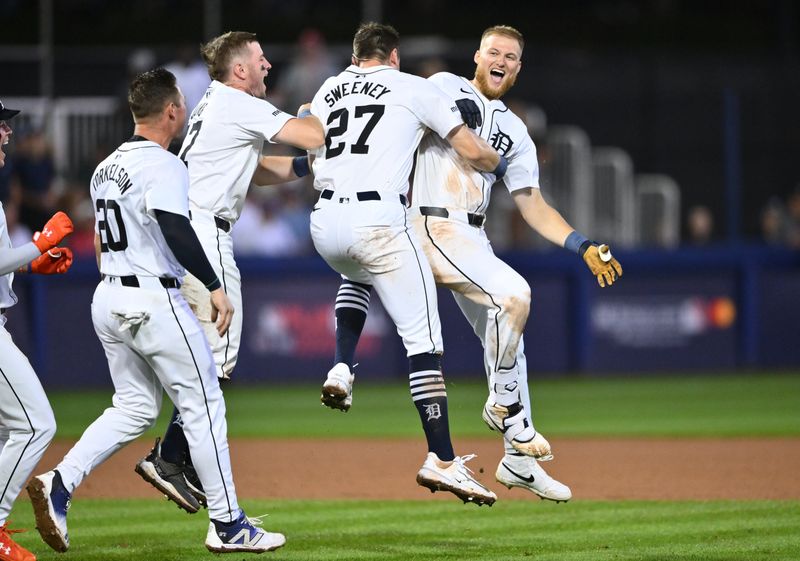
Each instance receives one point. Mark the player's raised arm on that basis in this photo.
(548, 222)
(476, 151)
(304, 132)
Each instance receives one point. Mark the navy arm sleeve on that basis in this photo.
(183, 242)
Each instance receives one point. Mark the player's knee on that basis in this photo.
(44, 430)
(517, 304)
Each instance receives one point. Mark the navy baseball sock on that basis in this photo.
(352, 303)
(430, 398)
(174, 447)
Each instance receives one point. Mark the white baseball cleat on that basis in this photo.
(455, 477)
(337, 391)
(50, 501)
(526, 473)
(511, 422)
(243, 535)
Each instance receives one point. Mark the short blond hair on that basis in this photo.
(507, 31)
(218, 54)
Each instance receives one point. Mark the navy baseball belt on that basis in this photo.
(472, 218)
(222, 224)
(361, 196)
(133, 281)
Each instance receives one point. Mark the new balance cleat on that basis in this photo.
(337, 391)
(51, 501)
(512, 423)
(244, 535)
(167, 478)
(11, 550)
(456, 477)
(526, 473)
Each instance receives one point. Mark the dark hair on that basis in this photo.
(375, 41)
(219, 53)
(150, 92)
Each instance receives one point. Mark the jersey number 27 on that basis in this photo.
(342, 116)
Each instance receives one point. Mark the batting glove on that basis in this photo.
(602, 264)
(469, 112)
(56, 229)
(56, 261)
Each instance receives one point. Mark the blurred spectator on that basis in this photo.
(81, 241)
(36, 170)
(774, 222)
(262, 230)
(699, 225)
(191, 74)
(793, 219)
(311, 65)
(18, 233)
(430, 66)
(296, 213)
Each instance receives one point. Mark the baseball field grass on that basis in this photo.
(756, 404)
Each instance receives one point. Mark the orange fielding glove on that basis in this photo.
(55, 261)
(56, 229)
(602, 264)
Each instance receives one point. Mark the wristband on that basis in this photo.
(501, 168)
(304, 113)
(300, 166)
(577, 242)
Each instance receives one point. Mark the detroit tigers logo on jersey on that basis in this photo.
(442, 180)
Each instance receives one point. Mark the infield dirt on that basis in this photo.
(596, 468)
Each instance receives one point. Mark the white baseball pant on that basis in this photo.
(370, 242)
(152, 340)
(27, 424)
(218, 246)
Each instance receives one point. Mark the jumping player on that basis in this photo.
(27, 424)
(152, 340)
(449, 203)
(375, 116)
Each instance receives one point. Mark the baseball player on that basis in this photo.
(152, 339)
(226, 136)
(375, 116)
(27, 424)
(449, 208)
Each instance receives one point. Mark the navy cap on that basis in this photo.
(6, 114)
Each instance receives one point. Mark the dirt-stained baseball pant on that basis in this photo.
(218, 246)
(369, 242)
(152, 339)
(27, 424)
(494, 298)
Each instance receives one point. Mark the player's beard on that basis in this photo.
(490, 91)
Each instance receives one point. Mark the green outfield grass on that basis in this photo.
(102, 530)
(738, 405)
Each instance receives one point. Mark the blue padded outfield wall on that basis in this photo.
(693, 309)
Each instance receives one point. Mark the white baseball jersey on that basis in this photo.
(7, 296)
(226, 136)
(127, 187)
(442, 179)
(378, 114)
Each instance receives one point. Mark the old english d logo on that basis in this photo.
(501, 142)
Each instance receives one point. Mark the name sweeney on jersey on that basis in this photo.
(115, 173)
(350, 88)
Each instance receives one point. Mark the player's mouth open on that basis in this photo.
(497, 76)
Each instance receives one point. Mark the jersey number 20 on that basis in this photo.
(108, 239)
(360, 146)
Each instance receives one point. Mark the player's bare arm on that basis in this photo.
(473, 148)
(549, 223)
(305, 133)
(273, 170)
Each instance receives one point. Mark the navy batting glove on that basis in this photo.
(469, 112)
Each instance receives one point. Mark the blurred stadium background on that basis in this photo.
(668, 128)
